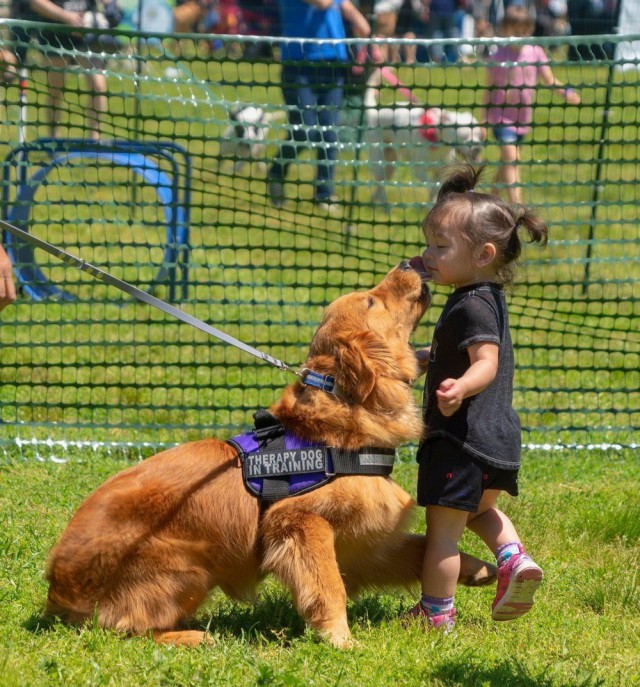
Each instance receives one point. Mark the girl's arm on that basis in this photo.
(548, 78)
(482, 371)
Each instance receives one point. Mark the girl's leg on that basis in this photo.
(491, 524)
(441, 566)
(518, 575)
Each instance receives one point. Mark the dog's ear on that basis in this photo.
(358, 362)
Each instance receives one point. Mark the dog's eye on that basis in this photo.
(371, 301)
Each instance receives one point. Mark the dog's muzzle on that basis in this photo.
(417, 265)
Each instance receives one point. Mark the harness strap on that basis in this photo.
(363, 462)
(274, 488)
(268, 429)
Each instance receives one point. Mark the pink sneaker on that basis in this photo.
(518, 580)
(443, 621)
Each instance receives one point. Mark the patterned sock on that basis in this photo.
(504, 552)
(434, 605)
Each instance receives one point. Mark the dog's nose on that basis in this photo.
(404, 265)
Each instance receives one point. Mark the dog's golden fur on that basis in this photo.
(143, 551)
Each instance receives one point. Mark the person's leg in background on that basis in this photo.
(385, 13)
(302, 115)
(330, 94)
(508, 173)
(57, 67)
(97, 85)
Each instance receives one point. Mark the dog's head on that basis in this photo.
(363, 342)
(460, 130)
(248, 123)
(364, 336)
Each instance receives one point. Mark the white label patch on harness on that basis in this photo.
(286, 462)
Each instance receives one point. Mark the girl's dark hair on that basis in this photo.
(481, 218)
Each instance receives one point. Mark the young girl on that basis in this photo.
(471, 450)
(511, 80)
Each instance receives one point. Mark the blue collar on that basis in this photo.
(310, 378)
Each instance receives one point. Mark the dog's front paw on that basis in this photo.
(336, 633)
(338, 639)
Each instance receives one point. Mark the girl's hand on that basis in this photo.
(423, 360)
(450, 396)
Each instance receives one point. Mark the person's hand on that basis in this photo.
(450, 395)
(572, 97)
(422, 356)
(7, 286)
(74, 18)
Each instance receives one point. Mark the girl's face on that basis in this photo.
(448, 258)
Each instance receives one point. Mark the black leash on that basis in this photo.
(105, 277)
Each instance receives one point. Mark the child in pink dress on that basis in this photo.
(512, 78)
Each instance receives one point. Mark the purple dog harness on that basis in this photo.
(277, 463)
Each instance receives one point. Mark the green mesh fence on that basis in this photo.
(173, 200)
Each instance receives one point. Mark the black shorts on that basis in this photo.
(448, 476)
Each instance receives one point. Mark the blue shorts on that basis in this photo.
(507, 135)
(450, 477)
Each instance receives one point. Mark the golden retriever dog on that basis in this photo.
(142, 552)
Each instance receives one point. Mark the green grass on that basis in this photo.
(577, 514)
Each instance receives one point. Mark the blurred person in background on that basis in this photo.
(513, 73)
(312, 82)
(56, 58)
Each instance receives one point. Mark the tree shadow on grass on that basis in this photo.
(466, 671)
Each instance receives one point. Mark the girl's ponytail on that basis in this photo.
(461, 179)
(534, 226)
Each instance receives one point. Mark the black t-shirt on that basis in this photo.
(486, 425)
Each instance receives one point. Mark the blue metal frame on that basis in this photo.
(173, 190)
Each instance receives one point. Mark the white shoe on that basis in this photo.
(330, 205)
